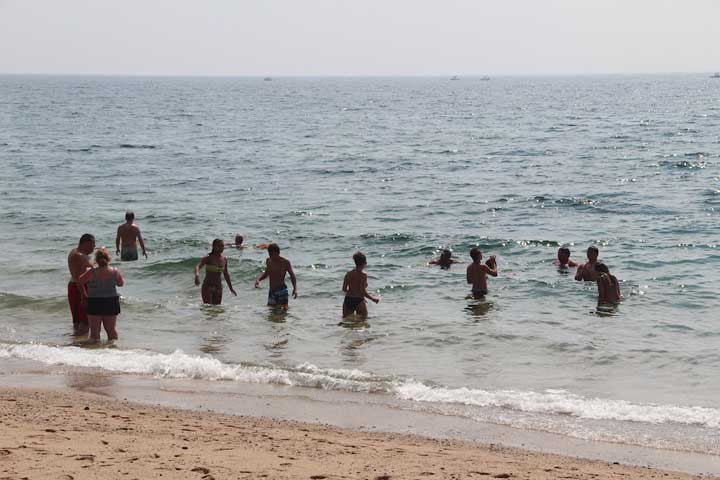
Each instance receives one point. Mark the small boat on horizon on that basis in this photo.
(454, 77)
(715, 75)
(267, 79)
(484, 78)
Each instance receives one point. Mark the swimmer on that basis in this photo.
(103, 299)
(276, 267)
(355, 288)
(128, 235)
(563, 259)
(477, 273)
(445, 260)
(78, 263)
(215, 268)
(608, 288)
(586, 272)
(237, 243)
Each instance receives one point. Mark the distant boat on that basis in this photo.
(715, 75)
(454, 77)
(485, 78)
(267, 79)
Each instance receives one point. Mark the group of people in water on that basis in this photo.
(94, 299)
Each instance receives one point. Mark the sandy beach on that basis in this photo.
(73, 435)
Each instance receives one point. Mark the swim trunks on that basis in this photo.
(77, 308)
(279, 296)
(212, 294)
(479, 292)
(128, 254)
(352, 303)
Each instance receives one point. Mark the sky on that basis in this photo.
(361, 37)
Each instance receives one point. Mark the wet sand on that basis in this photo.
(67, 434)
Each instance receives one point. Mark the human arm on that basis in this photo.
(119, 280)
(293, 280)
(346, 284)
(84, 277)
(141, 241)
(580, 273)
(200, 264)
(117, 242)
(262, 277)
(367, 295)
(226, 274)
(490, 266)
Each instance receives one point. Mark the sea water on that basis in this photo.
(399, 168)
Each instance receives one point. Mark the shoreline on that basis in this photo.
(291, 412)
(70, 434)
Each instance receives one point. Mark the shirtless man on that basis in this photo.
(563, 261)
(276, 267)
(477, 273)
(355, 288)
(127, 234)
(78, 263)
(586, 272)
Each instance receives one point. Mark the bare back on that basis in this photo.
(477, 276)
(129, 234)
(355, 284)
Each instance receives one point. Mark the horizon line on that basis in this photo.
(363, 75)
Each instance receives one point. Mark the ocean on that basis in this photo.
(399, 168)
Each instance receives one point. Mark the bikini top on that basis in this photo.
(209, 267)
(97, 288)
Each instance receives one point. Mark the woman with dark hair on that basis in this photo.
(103, 300)
(608, 287)
(215, 269)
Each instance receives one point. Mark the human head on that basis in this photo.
(102, 257)
(129, 216)
(218, 246)
(273, 249)
(602, 268)
(239, 240)
(592, 253)
(445, 258)
(563, 254)
(359, 259)
(476, 254)
(86, 243)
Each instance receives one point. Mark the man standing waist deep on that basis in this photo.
(127, 238)
(78, 263)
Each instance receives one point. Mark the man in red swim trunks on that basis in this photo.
(78, 263)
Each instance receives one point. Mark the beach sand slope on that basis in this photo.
(74, 435)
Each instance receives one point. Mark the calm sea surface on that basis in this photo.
(399, 168)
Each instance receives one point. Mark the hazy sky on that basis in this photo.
(360, 37)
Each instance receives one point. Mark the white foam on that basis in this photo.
(563, 402)
(182, 365)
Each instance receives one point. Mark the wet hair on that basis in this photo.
(564, 251)
(129, 216)
(446, 254)
(273, 248)
(359, 259)
(601, 267)
(593, 248)
(239, 237)
(86, 237)
(215, 242)
(475, 253)
(102, 257)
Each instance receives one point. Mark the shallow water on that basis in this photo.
(400, 168)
